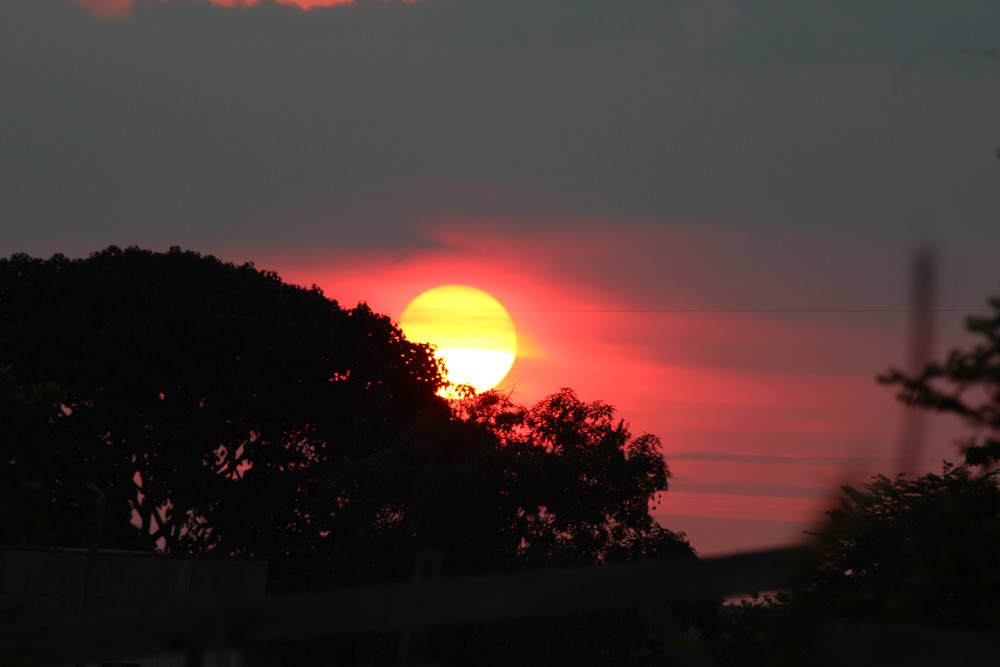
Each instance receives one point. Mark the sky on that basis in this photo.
(700, 212)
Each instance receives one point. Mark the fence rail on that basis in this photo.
(457, 601)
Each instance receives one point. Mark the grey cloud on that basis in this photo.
(279, 126)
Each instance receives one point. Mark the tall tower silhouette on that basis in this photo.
(923, 276)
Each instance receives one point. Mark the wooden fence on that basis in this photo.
(457, 601)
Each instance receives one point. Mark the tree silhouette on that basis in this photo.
(502, 487)
(205, 399)
(585, 483)
(966, 384)
(921, 551)
(24, 412)
(222, 410)
(924, 550)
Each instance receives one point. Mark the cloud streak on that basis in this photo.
(122, 9)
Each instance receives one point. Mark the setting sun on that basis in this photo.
(471, 331)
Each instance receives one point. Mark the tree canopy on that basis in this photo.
(205, 399)
(924, 550)
(920, 550)
(221, 409)
(501, 487)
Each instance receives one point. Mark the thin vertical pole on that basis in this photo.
(923, 270)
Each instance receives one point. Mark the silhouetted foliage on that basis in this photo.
(223, 410)
(24, 507)
(921, 550)
(501, 487)
(925, 550)
(966, 384)
(561, 483)
(440, 485)
(584, 483)
(750, 633)
(205, 399)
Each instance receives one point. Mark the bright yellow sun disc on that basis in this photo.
(471, 331)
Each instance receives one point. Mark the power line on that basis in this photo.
(602, 310)
(700, 310)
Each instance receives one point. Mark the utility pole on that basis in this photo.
(923, 270)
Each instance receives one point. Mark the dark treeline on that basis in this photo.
(222, 411)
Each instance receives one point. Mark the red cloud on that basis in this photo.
(301, 4)
(103, 9)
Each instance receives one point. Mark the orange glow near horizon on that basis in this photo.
(472, 333)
